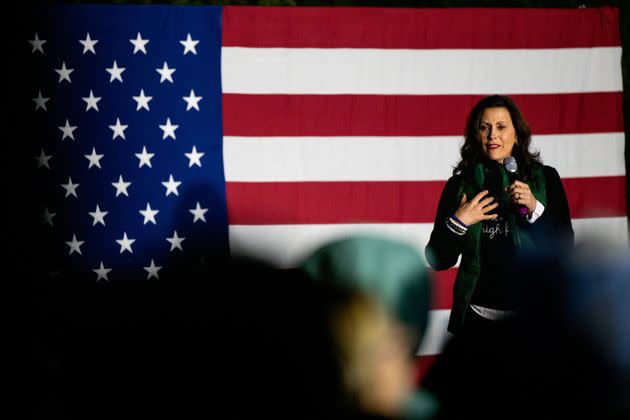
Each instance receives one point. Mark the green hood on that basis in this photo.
(392, 272)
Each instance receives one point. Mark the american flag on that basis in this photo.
(128, 102)
(268, 131)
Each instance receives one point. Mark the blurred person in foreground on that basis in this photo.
(566, 353)
(575, 341)
(231, 340)
(378, 299)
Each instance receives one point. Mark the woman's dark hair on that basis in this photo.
(472, 151)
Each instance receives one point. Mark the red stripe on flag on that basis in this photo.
(422, 365)
(596, 196)
(325, 27)
(268, 203)
(409, 115)
(273, 203)
(442, 288)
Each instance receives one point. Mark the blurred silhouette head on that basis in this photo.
(378, 300)
(394, 273)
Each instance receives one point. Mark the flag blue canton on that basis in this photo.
(126, 105)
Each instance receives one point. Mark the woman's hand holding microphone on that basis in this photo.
(521, 194)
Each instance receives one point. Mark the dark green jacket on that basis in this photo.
(444, 247)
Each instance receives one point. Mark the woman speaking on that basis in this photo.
(501, 199)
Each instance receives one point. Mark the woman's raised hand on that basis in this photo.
(476, 210)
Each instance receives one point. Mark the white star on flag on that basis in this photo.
(64, 73)
(40, 101)
(98, 215)
(42, 160)
(176, 241)
(192, 101)
(115, 72)
(143, 101)
(118, 129)
(168, 129)
(189, 45)
(171, 186)
(102, 272)
(88, 44)
(153, 270)
(125, 243)
(121, 186)
(139, 44)
(166, 73)
(145, 158)
(70, 188)
(67, 130)
(199, 213)
(91, 101)
(75, 246)
(94, 159)
(37, 44)
(47, 216)
(149, 215)
(194, 157)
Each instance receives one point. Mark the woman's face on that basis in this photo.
(497, 133)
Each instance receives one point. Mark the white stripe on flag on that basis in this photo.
(257, 159)
(285, 246)
(436, 335)
(365, 71)
(611, 230)
(582, 155)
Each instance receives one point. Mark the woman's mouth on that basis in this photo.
(492, 146)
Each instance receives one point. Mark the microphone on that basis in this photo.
(512, 169)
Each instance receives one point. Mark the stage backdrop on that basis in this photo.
(163, 131)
